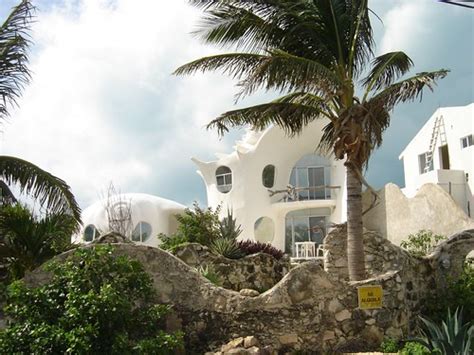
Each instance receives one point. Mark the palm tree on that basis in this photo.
(27, 241)
(318, 53)
(49, 190)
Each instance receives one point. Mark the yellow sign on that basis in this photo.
(370, 297)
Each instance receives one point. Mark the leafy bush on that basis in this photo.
(96, 302)
(194, 226)
(421, 243)
(27, 241)
(414, 348)
(199, 225)
(458, 293)
(211, 274)
(172, 241)
(389, 345)
(451, 337)
(227, 248)
(249, 247)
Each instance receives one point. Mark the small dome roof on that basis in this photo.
(155, 211)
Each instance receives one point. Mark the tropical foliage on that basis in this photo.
(197, 225)
(457, 293)
(96, 302)
(249, 247)
(451, 337)
(49, 190)
(27, 241)
(421, 243)
(227, 248)
(317, 53)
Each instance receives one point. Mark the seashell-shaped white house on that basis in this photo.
(280, 189)
(140, 217)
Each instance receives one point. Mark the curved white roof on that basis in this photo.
(158, 212)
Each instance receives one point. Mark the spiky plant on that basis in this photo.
(316, 52)
(228, 227)
(227, 248)
(451, 337)
(27, 241)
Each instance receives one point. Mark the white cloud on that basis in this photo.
(103, 106)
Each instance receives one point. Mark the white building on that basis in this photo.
(442, 152)
(140, 217)
(253, 182)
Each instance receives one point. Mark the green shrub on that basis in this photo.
(172, 242)
(458, 293)
(27, 241)
(453, 336)
(421, 243)
(96, 302)
(227, 248)
(414, 348)
(211, 274)
(199, 225)
(389, 345)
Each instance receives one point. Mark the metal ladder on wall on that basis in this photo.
(438, 130)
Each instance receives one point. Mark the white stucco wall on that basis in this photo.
(250, 200)
(458, 122)
(397, 216)
(156, 211)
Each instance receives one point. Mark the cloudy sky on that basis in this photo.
(104, 107)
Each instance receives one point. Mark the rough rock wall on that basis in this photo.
(396, 216)
(304, 311)
(309, 309)
(258, 271)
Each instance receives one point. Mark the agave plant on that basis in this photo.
(228, 227)
(210, 273)
(227, 248)
(452, 337)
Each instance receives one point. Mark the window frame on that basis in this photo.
(421, 169)
(269, 166)
(226, 179)
(140, 235)
(468, 140)
(95, 233)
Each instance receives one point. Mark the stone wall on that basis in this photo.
(309, 309)
(258, 271)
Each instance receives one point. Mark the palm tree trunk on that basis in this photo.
(355, 242)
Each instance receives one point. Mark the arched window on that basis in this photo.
(142, 232)
(310, 177)
(91, 233)
(264, 230)
(268, 176)
(224, 179)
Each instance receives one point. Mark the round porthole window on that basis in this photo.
(91, 233)
(268, 176)
(264, 230)
(142, 232)
(224, 179)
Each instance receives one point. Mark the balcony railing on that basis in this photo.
(292, 194)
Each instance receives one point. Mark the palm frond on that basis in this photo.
(230, 25)
(283, 71)
(14, 42)
(285, 112)
(50, 191)
(386, 69)
(277, 70)
(361, 38)
(408, 89)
